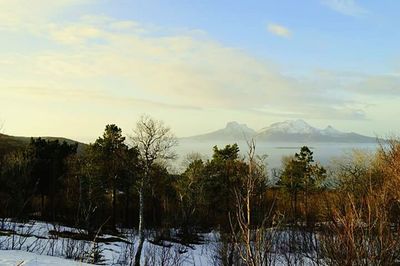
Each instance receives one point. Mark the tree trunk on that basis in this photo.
(42, 205)
(141, 224)
(295, 207)
(127, 200)
(231, 248)
(80, 203)
(114, 205)
(52, 193)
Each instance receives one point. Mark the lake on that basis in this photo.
(323, 152)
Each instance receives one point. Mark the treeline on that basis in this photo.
(353, 206)
(51, 182)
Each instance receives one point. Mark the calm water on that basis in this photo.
(323, 152)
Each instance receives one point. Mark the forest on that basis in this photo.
(344, 213)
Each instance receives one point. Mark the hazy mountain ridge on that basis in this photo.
(286, 131)
(233, 131)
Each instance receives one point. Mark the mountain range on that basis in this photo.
(286, 131)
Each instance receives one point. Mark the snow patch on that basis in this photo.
(299, 126)
(18, 257)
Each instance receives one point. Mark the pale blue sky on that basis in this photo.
(322, 36)
(69, 67)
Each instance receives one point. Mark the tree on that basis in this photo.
(17, 187)
(222, 174)
(351, 170)
(364, 222)
(252, 250)
(187, 187)
(49, 166)
(130, 173)
(301, 174)
(112, 149)
(86, 172)
(154, 141)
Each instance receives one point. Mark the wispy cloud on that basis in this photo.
(379, 86)
(345, 7)
(84, 96)
(181, 70)
(279, 30)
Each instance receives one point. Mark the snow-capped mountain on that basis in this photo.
(233, 131)
(287, 131)
(300, 131)
(290, 127)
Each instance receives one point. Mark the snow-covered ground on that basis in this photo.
(18, 257)
(32, 243)
(34, 238)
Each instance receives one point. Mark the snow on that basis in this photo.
(18, 257)
(292, 127)
(34, 245)
(299, 126)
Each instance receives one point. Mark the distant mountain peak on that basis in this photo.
(233, 131)
(236, 126)
(232, 124)
(329, 130)
(298, 126)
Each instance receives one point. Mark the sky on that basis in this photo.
(69, 67)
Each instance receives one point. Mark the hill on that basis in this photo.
(12, 143)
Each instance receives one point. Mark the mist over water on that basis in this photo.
(324, 153)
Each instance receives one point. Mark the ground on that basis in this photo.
(18, 257)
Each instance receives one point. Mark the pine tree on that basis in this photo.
(301, 174)
(112, 149)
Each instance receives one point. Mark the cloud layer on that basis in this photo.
(126, 59)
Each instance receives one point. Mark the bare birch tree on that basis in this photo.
(253, 242)
(155, 142)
